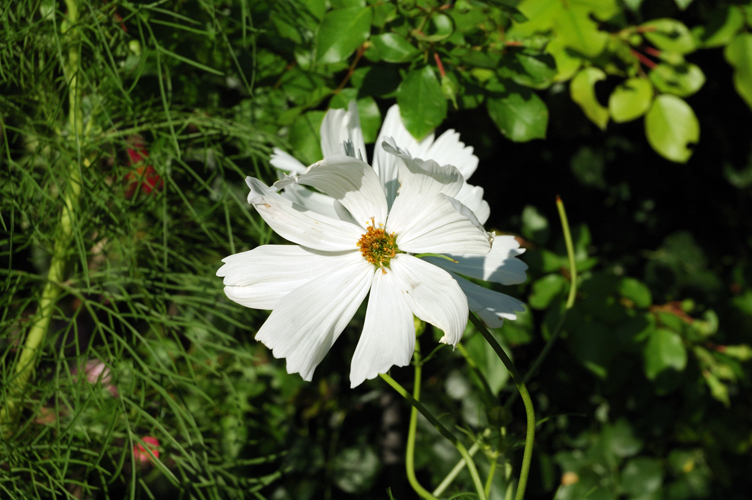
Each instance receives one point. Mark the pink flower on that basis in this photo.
(96, 372)
(141, 454)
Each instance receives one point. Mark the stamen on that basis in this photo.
(378, 247)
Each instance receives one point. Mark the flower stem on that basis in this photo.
(38, 330)
(570, 299)
(412, 431)
(455, 471)
(442, 430)
(529, 411)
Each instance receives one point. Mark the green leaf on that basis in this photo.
(619, 439)
(636, 291)
(683, 4)
(642, 476)
(439, 28)
(664, 350)
(370, 118)
(546, 289)
(722, 27)
(304, 137)
(670, 35)
(739, 55)
(422, 104)
(341, 32)
(534, 225)
(582, 90)
(566, 63)
(682, 79)
(394, 48)
(530, 69)
(630, 100)
(519, 113)
(579, 32)
(671, 126)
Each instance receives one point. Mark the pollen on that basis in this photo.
(378, 247)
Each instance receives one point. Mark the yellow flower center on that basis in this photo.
(378, 247)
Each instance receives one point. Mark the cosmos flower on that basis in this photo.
(341, 133)
(342, 127)
(375, 242)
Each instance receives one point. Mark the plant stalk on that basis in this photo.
(35, 338)
(529, 411)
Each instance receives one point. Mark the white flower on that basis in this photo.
(315, 287)
(341, 130)
(341, 127)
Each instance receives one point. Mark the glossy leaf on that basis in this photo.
(739, 54)
(664, 350)
(530, 69)
(305, 138)
(671, 127)
(520, 114)
(630, 100)
(582, 90)
(394, 48)
(421, 101)
(682, 80)
(341, 32)
(669, 34)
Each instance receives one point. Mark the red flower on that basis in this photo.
(140, 453)
(142, 175)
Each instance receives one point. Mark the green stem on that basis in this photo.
(570, 300)
(529, 411)
(442, 430)
(39, 326)
(570, 253)
(489, 479)
(455, 471)
(412, 431)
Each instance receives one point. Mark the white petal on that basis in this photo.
(299, 225)
(261, 277)
(388, 337)
(286, 162)
(418, 176)
(305, 325)
(348, 180)
(311, 200)
(472, 197)
(433, 225)
(385, 164)
(432, 295)
(500, 265)
(449, 150)
(341, 125)
(488, 303)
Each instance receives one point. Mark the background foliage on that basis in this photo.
(643, 397)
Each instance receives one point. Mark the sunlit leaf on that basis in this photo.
(671, 127)
(582, 90)
(341, 32)
(630, 100)
(422, 104)
(739, 54)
